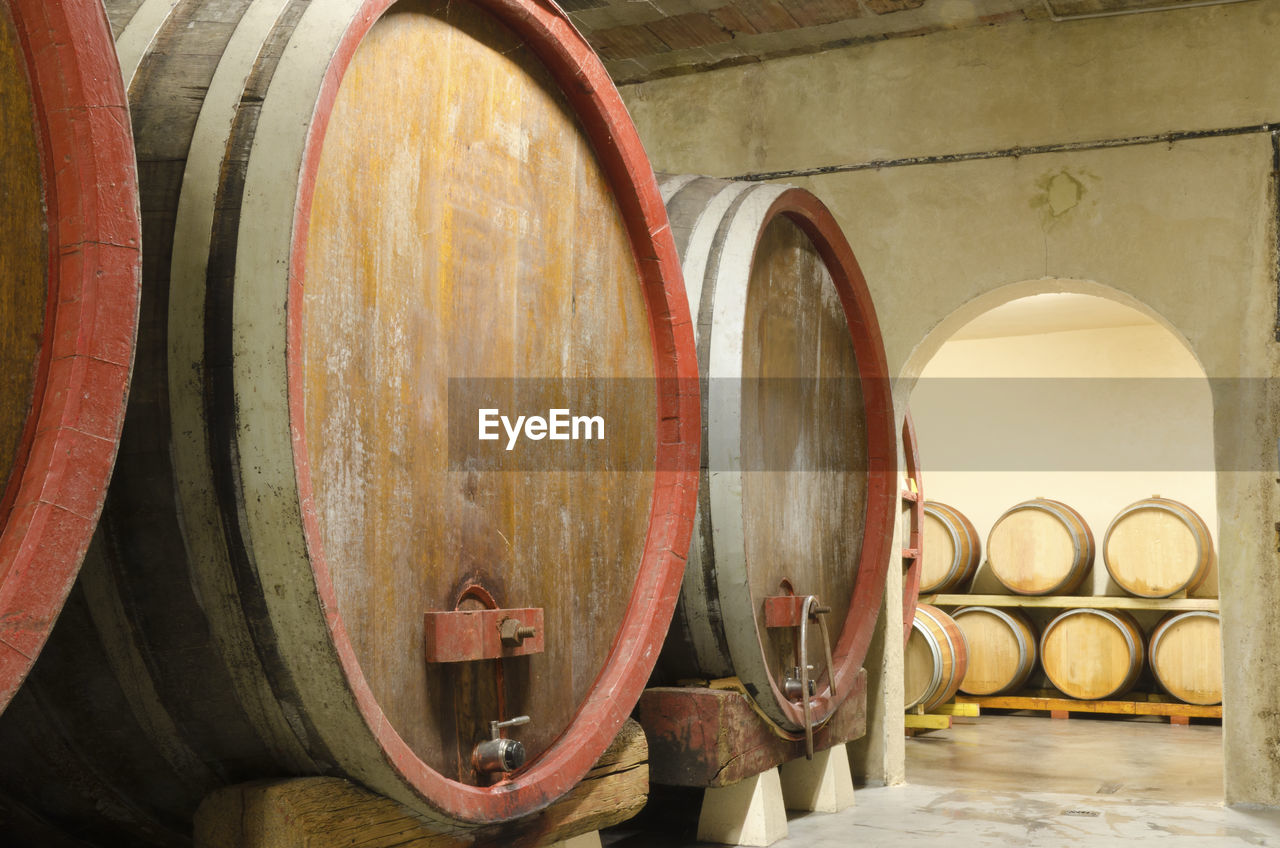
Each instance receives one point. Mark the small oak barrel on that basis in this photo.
(935, 659)
(800, 487)
(1157, 547)
(1092, 654)
(1040, 547)
(353, 209)
(69, 270)
(952, 549)
(913, 510)
(1185, 652)
(1002, 649)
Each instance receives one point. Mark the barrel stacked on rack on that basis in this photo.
(354, 211)
(69, 267)
(1154, 549)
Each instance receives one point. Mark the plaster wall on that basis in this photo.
(1180, 227)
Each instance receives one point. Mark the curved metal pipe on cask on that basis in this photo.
(351, 207)
(69, 311)
(799, 483)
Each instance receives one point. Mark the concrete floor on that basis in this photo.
(1020, 780)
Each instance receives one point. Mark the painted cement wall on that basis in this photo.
(1182, 229)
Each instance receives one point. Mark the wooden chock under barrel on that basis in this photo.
(326, 812)
(712, 737)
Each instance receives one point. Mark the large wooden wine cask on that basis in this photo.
(935, 659)
(913, 509)
(1185, 651)
(1040, 547)
(1002, 649)
(952, 548)
(69, 280)
(1092, 654)
(799, 488)
(1157, 547)
(364, 220)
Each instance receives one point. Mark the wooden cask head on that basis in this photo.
(462, 229)
(1157, 547)
(1092, 654)
(69, 283)
(1186, 656)
(1002, 649)
(1040, 547)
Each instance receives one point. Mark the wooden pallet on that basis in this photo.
(1059, 707)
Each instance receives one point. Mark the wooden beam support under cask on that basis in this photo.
(328, 812)
(705, 737)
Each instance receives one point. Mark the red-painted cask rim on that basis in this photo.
(599, 108)
(91, 318)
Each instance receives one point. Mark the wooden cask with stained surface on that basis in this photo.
(356, 212)
(1040, 547)
(69, 279)
(799, 487)
(1158, 547)
(1002, 649)
(1185, 651)
(952, 548)
(934, 660)
(1092, 654)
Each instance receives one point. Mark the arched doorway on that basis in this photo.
(1072, 391)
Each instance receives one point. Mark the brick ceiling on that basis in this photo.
(646, 39)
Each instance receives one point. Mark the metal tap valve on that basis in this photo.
(792, 687)
(498, 754)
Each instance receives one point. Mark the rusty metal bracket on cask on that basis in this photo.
(486, 634)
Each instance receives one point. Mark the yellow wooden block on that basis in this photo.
(954, 709)
(927, 722)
